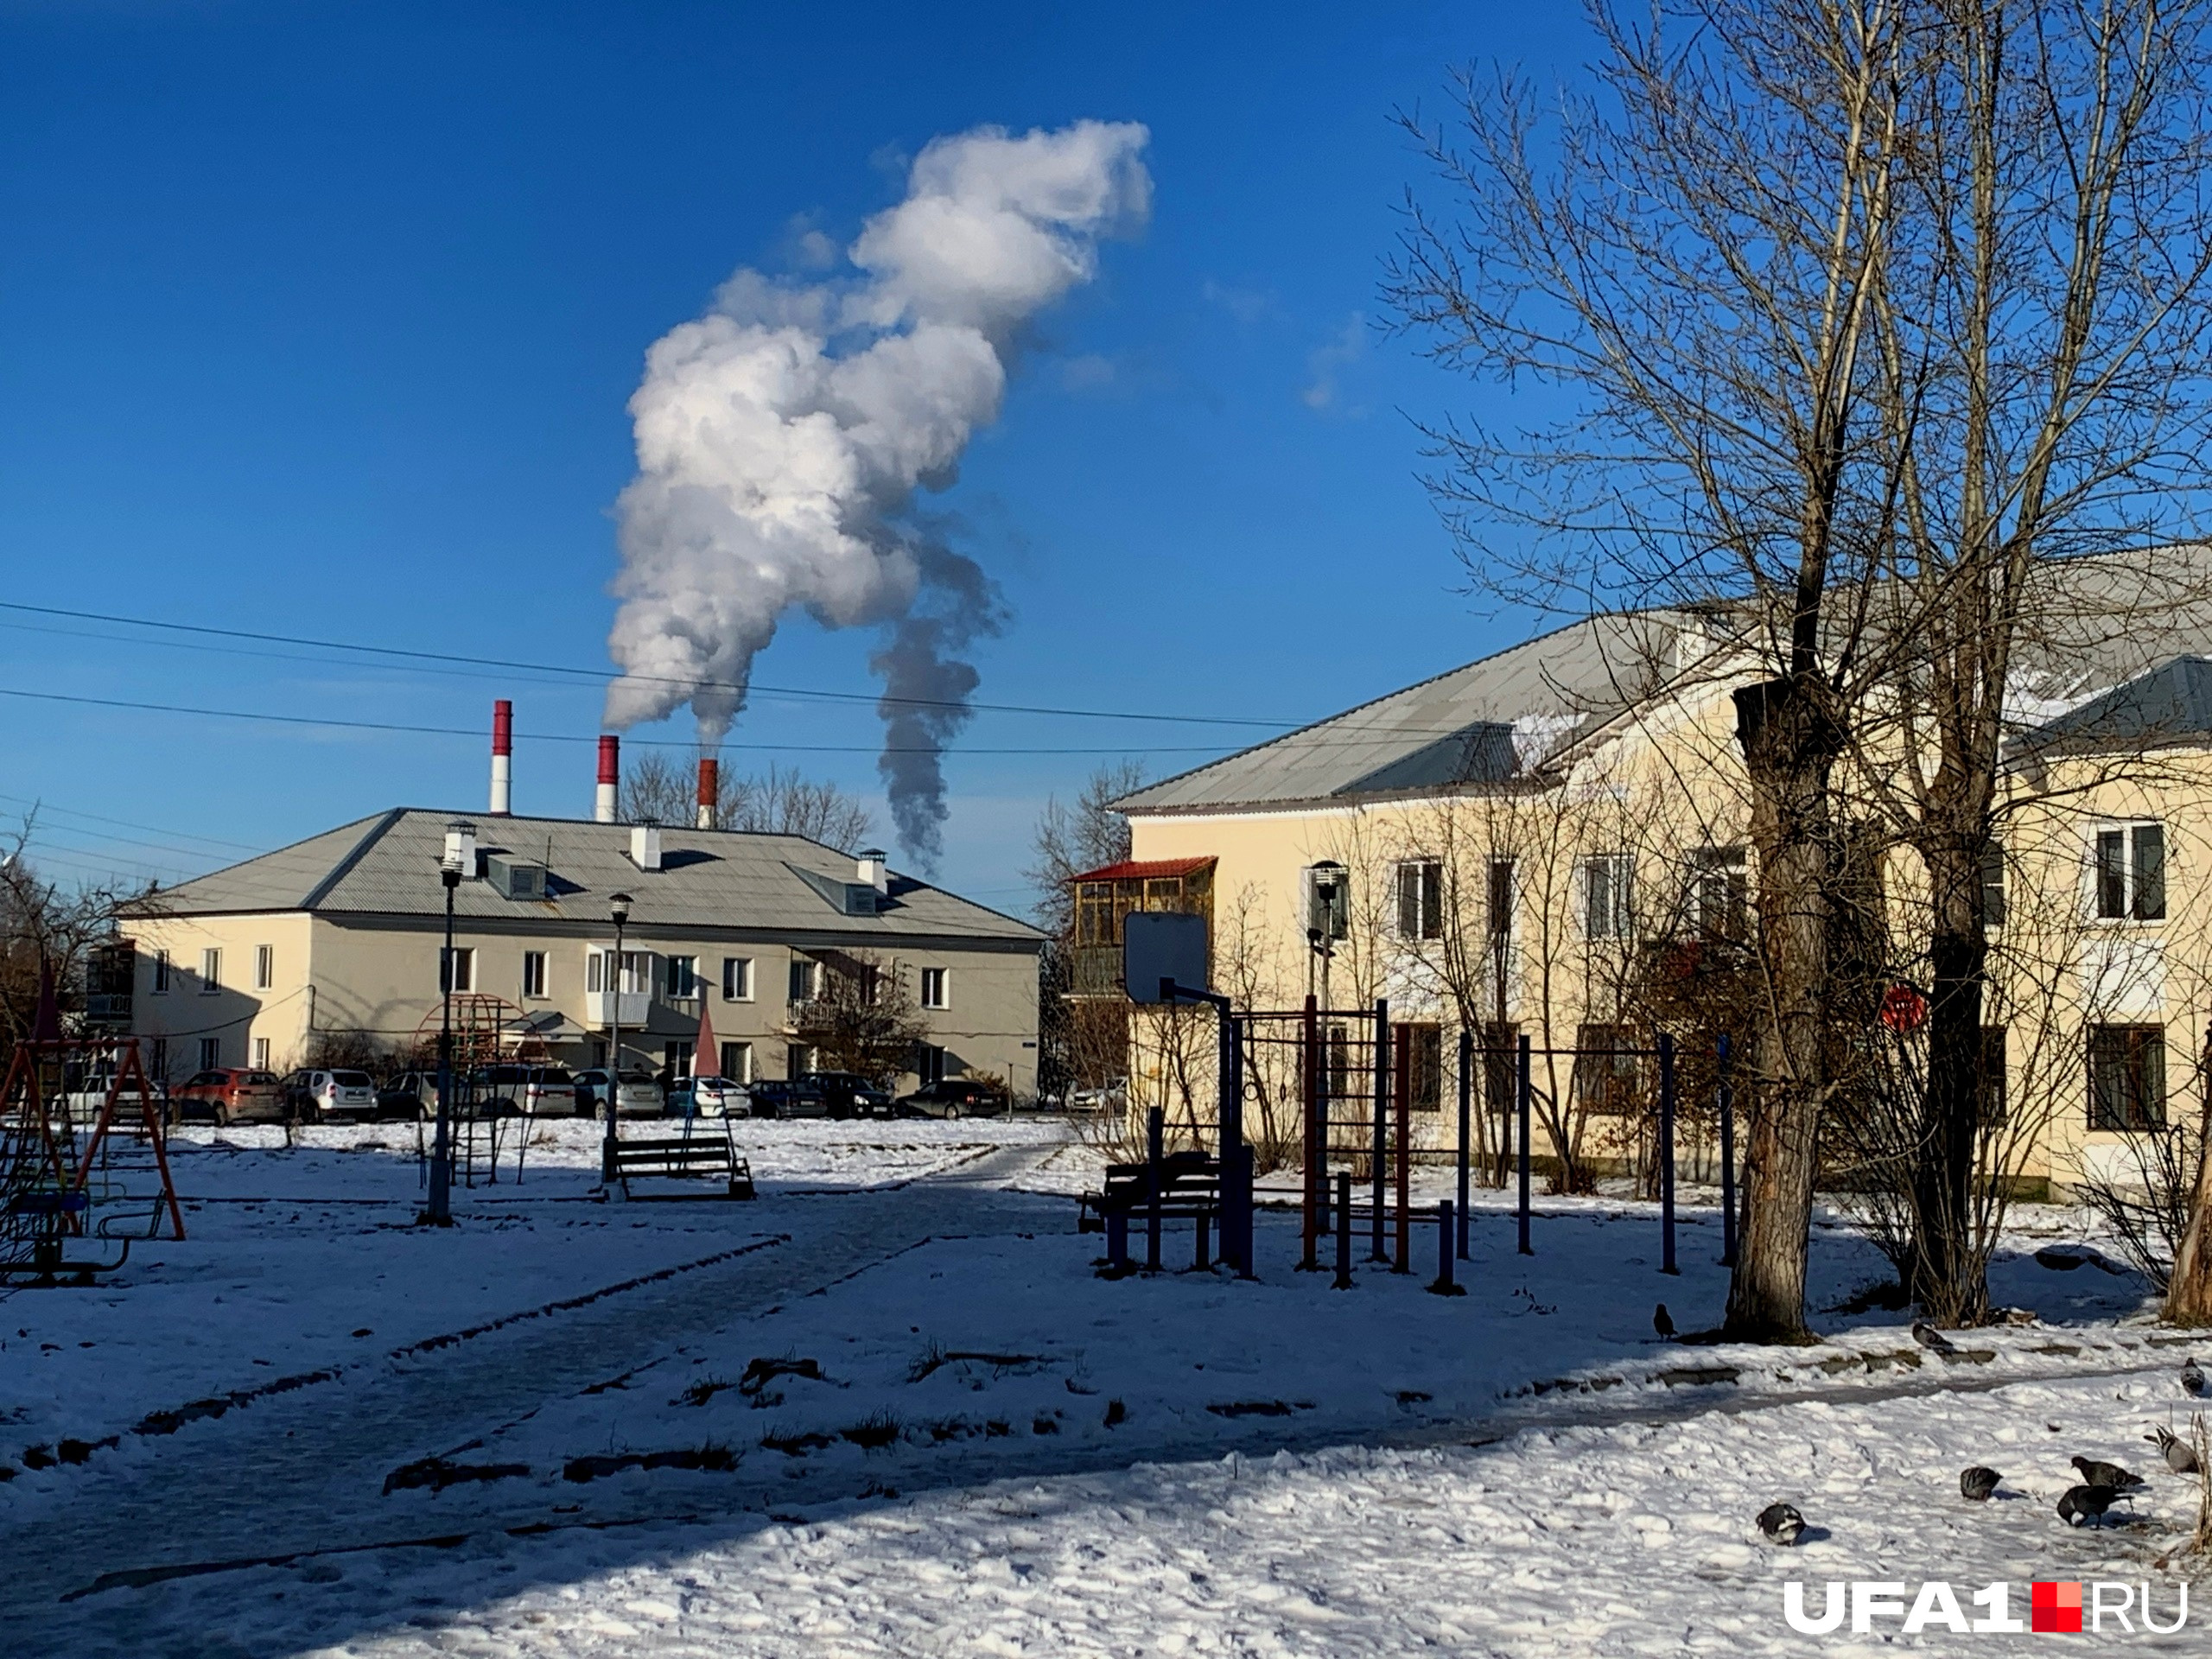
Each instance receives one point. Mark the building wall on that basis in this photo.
(380, 976)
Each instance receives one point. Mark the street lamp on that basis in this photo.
(620, 904)
(440, 1213)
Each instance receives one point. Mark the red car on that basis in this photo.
(229, 1094)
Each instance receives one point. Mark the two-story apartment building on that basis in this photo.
(343, 933)
(1548, 842)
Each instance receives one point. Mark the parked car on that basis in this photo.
(797, 1097)
(850, 1095)
(408, 1095)
(641, 1096)
(229, 1095)
(709, 1097)
(954, 1097)
(511, 1090)
(314, 1094)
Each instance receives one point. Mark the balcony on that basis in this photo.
(605, 1008)
(1096, 970)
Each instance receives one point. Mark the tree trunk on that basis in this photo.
(1789, 738)
(2188, 1293)
(1946, 1276)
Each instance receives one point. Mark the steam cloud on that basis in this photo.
(781, 439)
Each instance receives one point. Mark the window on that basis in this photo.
(211, 973)
(1992, 885)
(211, 1054)
(1501, 1043)
(636, 971)
(1421, 899)
(737, 1062)
(1606, 886)
(805, 979)
(1719, 892)
(158, 1063)
(683, 979)
(260, 1054)
(264, 966)
(161, 973)
(798, 1060)
(1991, 1105)
(1425, 1066)
(533, 973)
(737, 979)
(676, 1060)
(1605, 1073)
(595, 972)
(928, 1062)
(1500, 901)
(2131, 872)
(2127, 1077)
(460, 968)
(935, 988)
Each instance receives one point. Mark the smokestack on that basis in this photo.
(610, 778)
(503, 758)
(710, 789)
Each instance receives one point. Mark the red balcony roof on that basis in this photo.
(1144, 869)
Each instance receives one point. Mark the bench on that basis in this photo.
(39, 1221)
(705, 1157)
(1189, 1189)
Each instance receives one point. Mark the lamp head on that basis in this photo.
(621, 905)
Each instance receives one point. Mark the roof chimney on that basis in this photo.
(871, 870)
(710, 781)
(645, 846)
(503, 758)
(610, 778)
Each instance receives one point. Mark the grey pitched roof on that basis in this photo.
(2171, 704)
(1483, 724)
(388, 866)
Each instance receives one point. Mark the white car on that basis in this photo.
(711, 1097)
(325, 1095)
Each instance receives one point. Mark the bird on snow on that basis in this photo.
(2180, 1456)
(1978, 1482)
(2193, 1379)
(1929, 1336)
(2083, 1504)
(2106, 1474)
(1662, 1323)
(1781, 1523)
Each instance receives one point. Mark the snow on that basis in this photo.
(1003, 1451)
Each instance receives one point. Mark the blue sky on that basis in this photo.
(320, 321)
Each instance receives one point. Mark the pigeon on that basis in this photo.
(2193, 1379)
(2180, 1456)
(1978, 1482)
(2083, 1504)
(1662, 1323)
(2106, 1474)
(1929, 1336)
(1781, 1523)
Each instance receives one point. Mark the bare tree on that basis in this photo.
(1696, 265)
(1080, 1044)
(780, 801)
(46, 928)
(865, 1019)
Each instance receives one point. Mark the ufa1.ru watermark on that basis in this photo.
(2059, 1606)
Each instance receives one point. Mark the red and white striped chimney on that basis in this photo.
(503, 758)
(610, 779)
(710, 789)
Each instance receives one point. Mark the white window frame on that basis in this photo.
(534, 975)
(2126, 834)
(803, 980)
(742, 1052)
(1425, 899)
(737, 979)
(211, 1054)
(265, 969)
(682, 978)
(1609, 896)
(211, 972)
(161, 972)
(261, 1054)
(463, 962)
(936, 987)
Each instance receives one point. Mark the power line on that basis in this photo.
(600, 676)
(44, 805)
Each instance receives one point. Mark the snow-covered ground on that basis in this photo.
(891, 1407)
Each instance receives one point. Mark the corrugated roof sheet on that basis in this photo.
(724, 879)
(1139, 869)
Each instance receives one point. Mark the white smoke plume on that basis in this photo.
(781, 439)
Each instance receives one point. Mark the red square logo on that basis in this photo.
(2055, 1607)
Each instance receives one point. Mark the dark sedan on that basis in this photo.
(850, 1095)
(799, 1098)
(954, 1097)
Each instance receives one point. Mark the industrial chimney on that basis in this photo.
(710, 789)
(610, 779)
(503, 758)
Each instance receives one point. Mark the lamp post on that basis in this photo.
(620, 904)
(440, 1212)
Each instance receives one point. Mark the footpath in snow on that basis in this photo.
(897, 1411)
